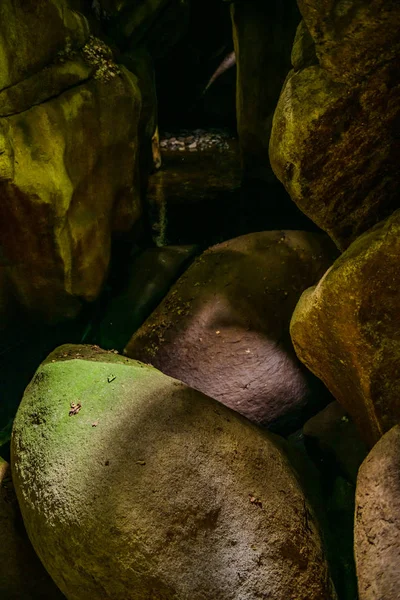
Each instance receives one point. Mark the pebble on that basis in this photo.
(197, 140)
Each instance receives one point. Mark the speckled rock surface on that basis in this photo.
(353, 37)
(377, 521)
(223, 327)
(335, 148)
(22, 576)
(152, 490)
(347, 329)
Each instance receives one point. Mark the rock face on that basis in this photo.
(353, 38)
(334, 142)
(22, 576)
(152, 490)
(347, 329)
(377, 520)
(68, 167)
(223, 328)
(263, 33)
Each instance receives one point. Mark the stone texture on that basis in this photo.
(55, 25)
(377, 521)
(263, 33)
(336, 149)
(347, 329)
(353, 37)
(153, 490)
(22, 576)
(68, 181)
(332, 437)
(223, 327)
(303, 51)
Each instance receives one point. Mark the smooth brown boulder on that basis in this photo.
(135, 487)
(336, 150)
(223, 327)
(346, 330)
(353, 37)
(377, 521)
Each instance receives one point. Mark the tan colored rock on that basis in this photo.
(152, 490)
(68, 180)
(335, 149)
(377, 521)
(353, 37)
(22, 576)
(263, 33)
(224, 326)
(56, 29)
(346, 330)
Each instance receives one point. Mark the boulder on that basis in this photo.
(68, 179)
(377, 520)
(346, 330)
(223, 327)
(263, 33)
(335, 148)
(56, 27)
(22, 576)
(134, 486)
(353, 37)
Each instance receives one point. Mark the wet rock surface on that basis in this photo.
(151, 489)
(377, 520)
(223, 327)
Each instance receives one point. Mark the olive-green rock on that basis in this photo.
(353, 37)
(68, 179)
(263, 33)
(135, 487)
(334, 147)
(347, 329)
(22, 576)
(33, 31)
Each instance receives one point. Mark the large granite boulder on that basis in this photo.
(347, 329)
(22, 576)
(224, 326)
(353, 37)
(263, 33)
(377, 521)
(68, 171)
(334, 147)
(134, 486)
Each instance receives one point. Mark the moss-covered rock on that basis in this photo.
(55, 28)
(68, 179)
(263, 33)
(354, 37)
(134, 487)
(22, 576)
(335, 149)
(347, 329)
(224, 326)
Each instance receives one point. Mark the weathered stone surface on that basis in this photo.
(347, 329)
(377, 521)
(263, 33)
(303, 51)
(67, 181)
(336, 150)
(55, 26)
(150, 277)
(223, 328)
(332, 437)
(153, 490)
(353, 37)
(22, 576)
